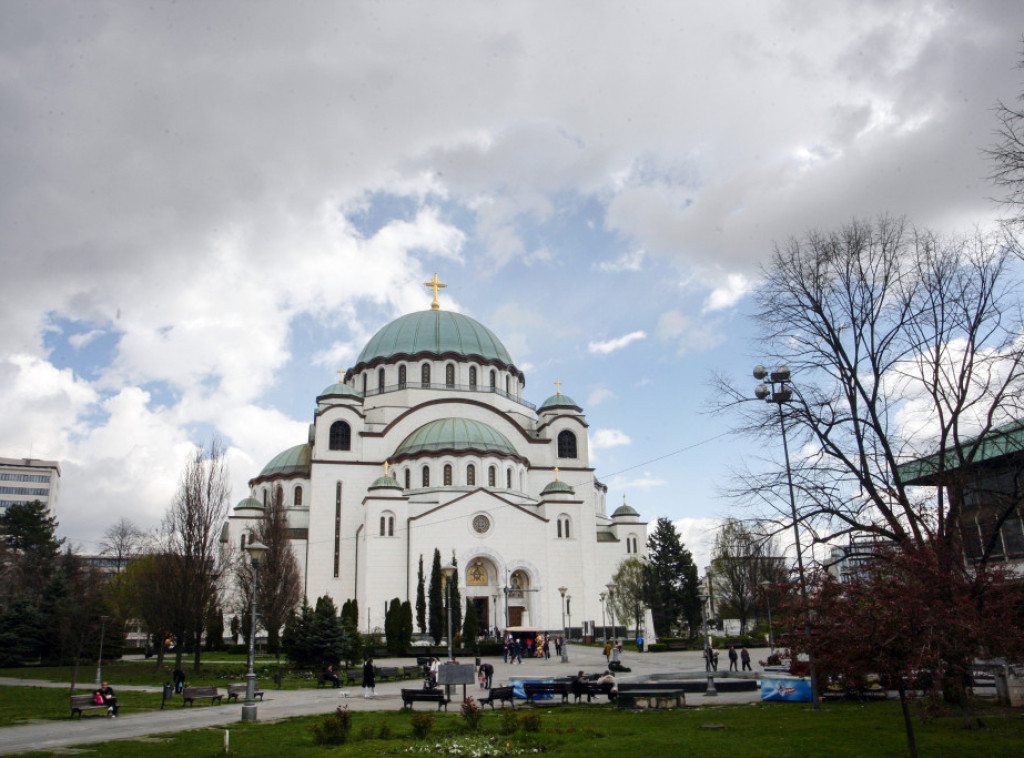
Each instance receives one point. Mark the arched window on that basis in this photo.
(401, 377)
(425, 375)
(447, 475)
(341, 436)
(264, 497)
(564, 531)
(387, 524)
(472, 377)
(508, 385)
(298, 495)
(279, 495)
(449, 375)
(380, 380)
(408, 472)
(364, 383)
(471, 475)
(494, 379)
(426, 476)
(492, 476)
(243, 540)
(508, 478)
(566, 444)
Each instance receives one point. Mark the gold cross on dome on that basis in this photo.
(556, 473)
(558, 387)
(341, 375)
(387, 466)
(435, 284)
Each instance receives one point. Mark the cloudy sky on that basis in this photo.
(207, 209)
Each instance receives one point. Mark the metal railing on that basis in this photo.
(449, 388)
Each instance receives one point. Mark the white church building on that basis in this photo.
(427, 442)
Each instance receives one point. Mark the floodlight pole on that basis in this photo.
(256, 550)
(780, 395)
(565, 629)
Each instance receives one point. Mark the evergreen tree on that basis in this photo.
(421, 600)
(471, 625)
(295, 638)
(21, 628)
(350, 620)
(214, 628)
(436, 602)
(393, 626)
(671, 581)
(27, 531)
(405, 627)
(328, 641)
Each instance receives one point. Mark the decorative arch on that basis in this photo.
(566, 444)
(340, 437)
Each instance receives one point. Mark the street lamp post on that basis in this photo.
(565, 629)
(448, 572)
(768, 601)
(710, 690)
(256, 550)
(604, 625)
(611, 606)
(568, 613)
(99, 659)
(779, 391)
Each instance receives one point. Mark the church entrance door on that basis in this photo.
(515, 615)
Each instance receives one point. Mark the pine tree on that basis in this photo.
(393, 626)
(405, 625)
(471, 625)
(436, 602)
(456, 598)
(421, 600)
(670, 582)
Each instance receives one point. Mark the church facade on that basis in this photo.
(427, 442)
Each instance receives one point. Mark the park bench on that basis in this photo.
(191, 694)
(322, 679)
(541, 689)
(387, 672)
(236, 691)
(81, 703)
(660, 697)
(500, 694)
(592, 690)
(424, 696)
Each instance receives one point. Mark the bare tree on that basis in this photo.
(742, 560)
(124, 540)
(901, 343)
(1007, 155)
(278, 586)
(630, 586)
(191, 536)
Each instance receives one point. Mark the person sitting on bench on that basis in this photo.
(330, 676)
(105, 694)
(608, 680)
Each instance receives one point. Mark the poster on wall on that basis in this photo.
(790, 690)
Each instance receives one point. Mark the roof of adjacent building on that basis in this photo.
(624, 510)
(385, 482)
(557, 486)
(436, 332)
(249, 503)
(341, 390)
(455, 435)
(1001, 441)
(291, 462)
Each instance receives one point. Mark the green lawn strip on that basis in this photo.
(770, 730)
(19, 705)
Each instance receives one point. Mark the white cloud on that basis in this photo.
(729, 293)
(600, 395)
(687, 334)
(601, 439)
(698, 536)
(610, 346)
(628, 261)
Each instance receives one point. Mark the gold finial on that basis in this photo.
(623, 498)
(558, 387)
(435, 284)
(386, 467)
(556, 473)
(341, 376)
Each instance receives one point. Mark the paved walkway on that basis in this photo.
(279, 704)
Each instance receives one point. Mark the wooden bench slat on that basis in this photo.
(191, 694)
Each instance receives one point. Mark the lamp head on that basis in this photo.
(256, 551)
(760, 372)
(761, 392)
(448, 571)
(781, 374)
(562, 591)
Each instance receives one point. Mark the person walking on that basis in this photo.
(708, 657)
(608, 652)
(639, 643)
(732, 658)
(745, 658)
(369, 678)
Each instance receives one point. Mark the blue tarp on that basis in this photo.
(517, 687)
(790, 690)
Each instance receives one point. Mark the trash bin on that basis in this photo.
(168, 694)
(277, 679)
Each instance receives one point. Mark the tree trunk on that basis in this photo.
(908, 722)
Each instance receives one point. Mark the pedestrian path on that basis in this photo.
(280, 704)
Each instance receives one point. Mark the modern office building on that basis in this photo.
(26, 480)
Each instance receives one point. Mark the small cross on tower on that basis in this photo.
(558, 387)
(387, 466)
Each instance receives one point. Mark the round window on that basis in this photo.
(481, 523)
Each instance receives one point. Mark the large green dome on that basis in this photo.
(435, 332)
(455, 435)
(293, 461)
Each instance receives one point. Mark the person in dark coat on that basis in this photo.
(732, 658)
(369, 681)
(745, 658)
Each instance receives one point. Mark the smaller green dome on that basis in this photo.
(249, 504)
(292, 462)
(557, 487)
(559, 401)
(623, 511)
(455, 435)
(341, 390)
(386, 482)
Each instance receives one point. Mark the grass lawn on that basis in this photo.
(19, 705)
(775, 729)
